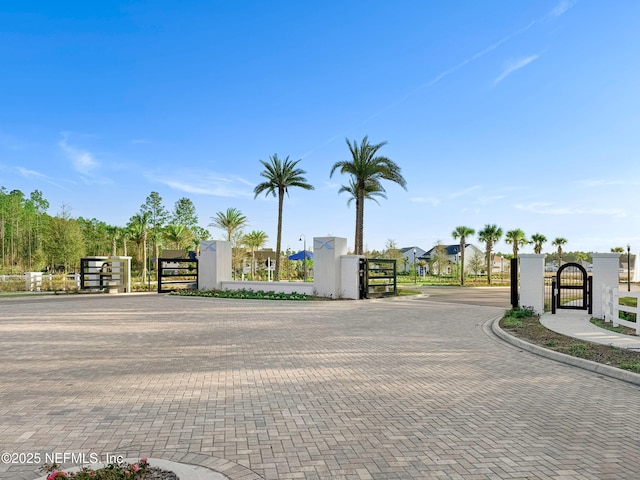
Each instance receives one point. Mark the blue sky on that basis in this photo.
(520, 114)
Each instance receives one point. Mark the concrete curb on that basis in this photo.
(618, 374)
(190, 466)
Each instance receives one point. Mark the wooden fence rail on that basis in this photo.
(611, 307)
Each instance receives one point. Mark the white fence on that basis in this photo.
(37, 281)
(611, 307)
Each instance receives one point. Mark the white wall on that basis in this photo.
(278, 287)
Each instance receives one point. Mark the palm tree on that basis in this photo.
(371, 190)
(538, 239)
(462, 233)
(280, 176)
(254, 240)
(230, 221)
(558, 242)
(138, 230)
(517, 238)
(489, 235)
(366, 170)
(178, 235)
(115, 233)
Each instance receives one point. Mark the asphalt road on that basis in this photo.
(481, 296)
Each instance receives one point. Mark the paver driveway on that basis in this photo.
(346, 389)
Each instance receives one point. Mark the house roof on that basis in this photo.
(450, 250)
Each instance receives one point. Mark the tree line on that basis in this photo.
(31, 239)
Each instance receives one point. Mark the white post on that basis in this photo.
(214, 265)
(605, 272)
(532, 281)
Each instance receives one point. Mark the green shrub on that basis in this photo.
(243, 294)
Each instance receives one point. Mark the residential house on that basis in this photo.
(409, 255)
(452, 255)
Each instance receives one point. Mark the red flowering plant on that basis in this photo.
(113, 471)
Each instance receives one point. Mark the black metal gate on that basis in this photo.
(177, 274)
(378, 277)
(572, 288)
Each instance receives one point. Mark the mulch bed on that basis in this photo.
(531, 330)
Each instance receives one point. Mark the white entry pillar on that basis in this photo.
(214, 264)
(605, 272)
(327, 265)
(532, 281)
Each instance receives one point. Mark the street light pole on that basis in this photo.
(628, 267)
(304, 257)
(415, 268)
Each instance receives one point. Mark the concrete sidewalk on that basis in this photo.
(576, 324)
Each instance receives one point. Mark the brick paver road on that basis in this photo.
(284, 390)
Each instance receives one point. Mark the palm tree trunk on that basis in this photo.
(276, 273)
(253, 263)
(462, 263)
(359, 243)
(144, 256)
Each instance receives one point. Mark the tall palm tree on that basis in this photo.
(366, 170)
(516, 238)
(254, 240)
(558, 242)
(280, 175)
(489, 235)
(229, 221)
(538, 239)
(462, 233)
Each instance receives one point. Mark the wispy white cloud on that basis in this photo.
(82, 160)
(514, 66)
(548, 208)
(210, 184)
(562, 7)
(32, 173)
(29, 173)
(466, 191)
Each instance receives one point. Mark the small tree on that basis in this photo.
(255, 240)
(477, 263)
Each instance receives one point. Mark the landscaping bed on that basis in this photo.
(523, 324)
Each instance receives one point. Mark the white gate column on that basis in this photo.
(214, 264)
(327, 274)
(532, 281)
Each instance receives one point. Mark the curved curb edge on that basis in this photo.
(618, 374)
